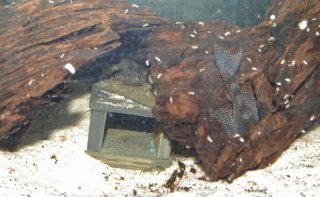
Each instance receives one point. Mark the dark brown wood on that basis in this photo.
(38, 38)
(280, 66)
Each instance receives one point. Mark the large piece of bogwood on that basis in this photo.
(280, 67)
(38, 38)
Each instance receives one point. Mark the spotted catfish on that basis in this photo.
(128, 72)
(244, 107)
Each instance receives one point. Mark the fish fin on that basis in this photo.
(228, 65)
(225, 118)
(244, 111)
(226, 62)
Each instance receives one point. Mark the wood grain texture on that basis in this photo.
(280, 67)
(38, 38)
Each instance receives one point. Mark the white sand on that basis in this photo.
(33, 170)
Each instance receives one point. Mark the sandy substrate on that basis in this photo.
(52, 162)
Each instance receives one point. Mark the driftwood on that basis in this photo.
(38, 39)
(279, 69)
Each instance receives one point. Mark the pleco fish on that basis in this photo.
(128, 72)
(244, 107)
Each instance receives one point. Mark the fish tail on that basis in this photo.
(227, 62)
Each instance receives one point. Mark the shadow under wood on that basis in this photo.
(58, 116)
(66, 114)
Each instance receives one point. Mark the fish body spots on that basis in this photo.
(225, 117)
(227, 63)
(244, 107)
(128, 72)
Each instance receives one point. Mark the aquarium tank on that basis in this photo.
(159, 97)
